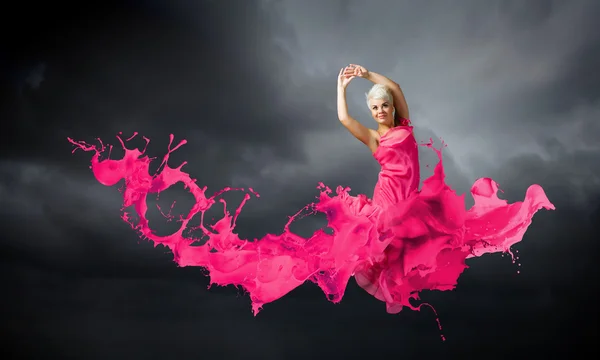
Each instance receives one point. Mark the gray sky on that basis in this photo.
(510, 86)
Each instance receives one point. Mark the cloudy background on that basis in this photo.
(510, 86)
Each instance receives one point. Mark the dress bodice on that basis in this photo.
(398, 155)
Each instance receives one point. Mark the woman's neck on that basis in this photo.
(382, 129)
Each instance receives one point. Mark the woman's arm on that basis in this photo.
(357, 129)
(399, 100)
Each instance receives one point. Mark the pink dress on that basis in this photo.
(396, 244)
(425, 236)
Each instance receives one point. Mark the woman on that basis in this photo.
(389, 109)
(424, 236)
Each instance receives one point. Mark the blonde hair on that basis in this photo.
(379, 92)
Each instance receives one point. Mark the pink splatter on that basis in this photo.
(398, 243)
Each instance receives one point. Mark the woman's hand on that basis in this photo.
(356, 70)
(343, 79)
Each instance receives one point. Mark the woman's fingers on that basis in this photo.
(359, 69)
(350, 72)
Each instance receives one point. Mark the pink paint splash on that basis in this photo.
(400, 242)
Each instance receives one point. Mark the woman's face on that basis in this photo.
(382, 111)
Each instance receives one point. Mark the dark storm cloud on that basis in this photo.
(487, 76)
(152, 70)
(253, 94)
(258, 107)
(36, 76)
(498, 81)
(72, 329)
(508, 85)
(220, 84)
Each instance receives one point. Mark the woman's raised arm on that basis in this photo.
(357, 129)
